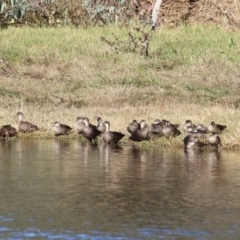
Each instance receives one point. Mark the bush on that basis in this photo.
(66, 12)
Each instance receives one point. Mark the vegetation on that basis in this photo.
(66, 12)
(58, 74)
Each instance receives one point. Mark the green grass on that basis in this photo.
(188, 45)
(61, 73)
(5, 92)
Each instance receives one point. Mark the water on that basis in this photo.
(72, 190)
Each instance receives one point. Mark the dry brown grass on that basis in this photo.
(121, 116)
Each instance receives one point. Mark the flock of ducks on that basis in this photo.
(197, 132)
(138, 131)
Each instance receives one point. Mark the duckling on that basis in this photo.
(90, 131)
(100, 126)
(60, 129)
(156, 128)
(188, 126)
(191, 141)
(8, 131)
(80, 125)
(142, 133)
(216, 128)
(215, 140)
(109, 136)
(25, 127)
(133, 126)
(170, 130)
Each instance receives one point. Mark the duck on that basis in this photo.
(90, 131)
(191, 141)
(188, 126)
(201, 128)
(133, 126)
(79, 124)
(142, 133)
(216, 128)
(60, 129)
(156, 129)
(201, 131)
(8, 131)
(111, 137)
(215, 140)
(164, 121)
(25, 127)
(170, 130)
(100, 126)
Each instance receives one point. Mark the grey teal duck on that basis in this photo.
(8, 131)
(170, 130)
(156, 129)
(60, 129)
(111, 137)
(79, 125)
(100, 125)
(188, 126)
(191, 141)
(142, 133)
(215, 140)
(90, 131)
(216, 128)
(25, 127)
(133, 126)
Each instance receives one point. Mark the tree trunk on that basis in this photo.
(155, 13)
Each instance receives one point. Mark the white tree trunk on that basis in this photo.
(155, 13)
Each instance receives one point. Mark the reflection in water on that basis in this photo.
(69, 189)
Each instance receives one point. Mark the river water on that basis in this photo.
(66, 189)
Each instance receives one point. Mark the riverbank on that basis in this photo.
(59, 74)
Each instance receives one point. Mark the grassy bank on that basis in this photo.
(59, 74)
